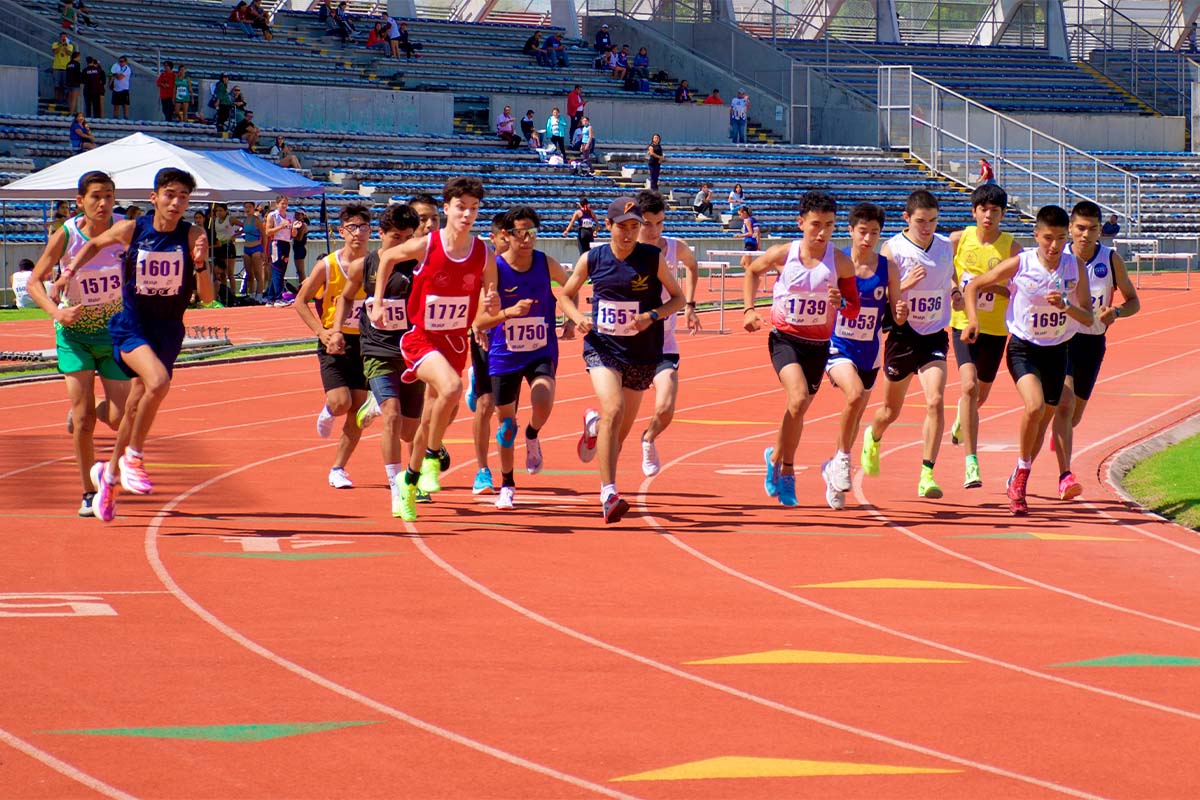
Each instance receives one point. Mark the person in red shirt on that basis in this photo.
(714, 99)
(166, 90)
(575, 107)
(986, 174)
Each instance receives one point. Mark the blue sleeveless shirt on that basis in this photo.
(858, 339)
(518, 342)
(621, 289)
(159, 274)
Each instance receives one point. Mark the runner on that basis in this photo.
(623, 337)
(442, 306)
(523, 341)
(585, 217)
(1085, 350)
(813, 279)
(854, 351)
(82, 341)
(977, 249)
(1047, 290)
(163, 265)
(427, 212)
(339, 347)
(924, 260)
(666, 375)
(479, 385)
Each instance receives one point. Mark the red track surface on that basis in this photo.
(538, 654)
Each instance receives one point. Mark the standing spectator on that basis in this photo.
(683, 94)
(1110, 228)
(93, 88)
(391, 32)
(986, 174)
(603, 40)
(280, 226)
(224, 100)
(531, 136)
(702, 203)
(575, 106)
(556, 52)
(118, 80)
(641, 65)
(81, 135)
(587, 146)
(224, 253)
(739, 115)
(20, 283)
(737, 198)
(247, 131)
(61, 50)
(556, 131)
(300, 244)
(74, 82)
(714, 99)
(183, 94)
(504, 127)
(406, 44)
(654, 159)
(254, 281)
(166, 90)
(586, 218)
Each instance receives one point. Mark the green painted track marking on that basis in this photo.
(220, 733)
(1135, 660)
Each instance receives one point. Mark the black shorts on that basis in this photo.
(223, 252)
(299, 251)
(635, 377)
(810, 355)
(120, 98)
(507, 388)
(670, 361)
(479, 363)
(383, 376)
(1085, 354)
(1048, 363)
(985, 353)
(342, 369)
(906, 351)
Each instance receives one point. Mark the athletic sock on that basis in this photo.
(1064, 475)
(973, 459)
(531, 432)
(786, 468)
(431, 453)
(1023, 464)
(607, 490)
(132, 453)
(872, 436)
(392, 471)
(926, 463)
(842, 454)
(411, 476)
(508, 479)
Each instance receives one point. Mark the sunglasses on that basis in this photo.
(356, 227)
(524, 234)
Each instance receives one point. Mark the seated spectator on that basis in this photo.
(533, 47)
(131, 212)
(325, 14)
(344, 26)
(986, 175)
(641, 65)
(737, 198)
(239, 104)
(702, 203)
(406, 43)
(277, 148)
(258, 19)
(714, 99)
(67, 15)
(531, 136)
(603, 40)
(239, 17)
(1110, 228)
(377, 37)
(84, 16)
(504, 128)
(623, 57)
(81, 135)
(20, 282)
(288, 159)
(247, 131)
(614, 63)
(555, 52)
(683, 94)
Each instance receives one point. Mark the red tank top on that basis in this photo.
(445, 293)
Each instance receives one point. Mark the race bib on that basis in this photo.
(616, 317)
(525, 334)
(395, 313)
(803, 309)
(588, 223)
(446, 313)
(925, 306)
(352, 318)
(984, 301)
(1047, 322)
(861, 328)
(1098, 301)
(159, 273)
(98, 287)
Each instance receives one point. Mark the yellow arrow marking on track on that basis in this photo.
(754, 767)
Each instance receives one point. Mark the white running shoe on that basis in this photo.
(650, 465)
(533, 456)
(841, 472)
(324, 423)
(835, 499)
(505, 500)
(587, 441)
(338, 479)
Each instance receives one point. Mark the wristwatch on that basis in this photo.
(1117, 311)
(653, 314)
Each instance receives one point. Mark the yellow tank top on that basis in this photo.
(971, 259)
(335, 282)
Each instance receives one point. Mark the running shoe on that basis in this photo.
(407, 507)
(104, 502)
(835, 499)
(506, 432)
(841, 472)
(1016, 492)
(1068, 487)
(533, 456)
(70, 421)
(444, 458)
(971, 478)
(771, 482)
(483, 482)
(587, 440)
(428, 482)
(505, 500)
(787, 490)
(324, 423)
(614, 508)
(956, 432)
(395, 486)
(97, 475)
(85, 508)
(928, 487)
(367, 412)
(133, 475)
(424, 497)
(472, 396)
(870, 454)
(650, 465)
(338, 478)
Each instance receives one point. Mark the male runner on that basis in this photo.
(854, 350)
(666, 375)
(430, 219)
(1085, 350)
(479, 384)
(1046, 291)
(977, 249)
(165, 261)
(813, 278)
(924, 260)
(82, 341)
(339, 348)
(623, 336)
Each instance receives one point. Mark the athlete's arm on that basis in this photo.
(674, 304)
(345, 300)
(198, 242)
(570, 291)
(999, 274)
(121, 233)
(1108, 314)
(571, 223)
(1081, 309)
(307, 291)
(691, 279)
(773, 258)
(490, 313)
(895, 296)
(388, 259)
(271, 230)
(559, 275)
(846, 291)
(52, 253)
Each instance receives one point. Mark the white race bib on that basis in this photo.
(446, 313)
(525, 334)
(351, 320)
(395, 313)
(616, 317)
(803, 309)
(98, 287)
(984, 301)
(861, 328)
(925, 306)
(1098, 300)
(1046, 321)
(159, 273)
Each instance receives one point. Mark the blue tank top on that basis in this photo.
(858, 339)
(250, 232)
(159, 274)
(516, 343)
(622, 289)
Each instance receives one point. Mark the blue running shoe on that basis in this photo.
(771, 484)
(787, 490)
(506, 432)
(472, 397)
(483, 482)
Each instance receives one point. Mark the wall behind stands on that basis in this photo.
(19, 90)
(629, 120)
(1112, 131)
(341, 108)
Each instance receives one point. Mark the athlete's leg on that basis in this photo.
(666, 388)
(933, 382)
(541, 401)
(611, 400)
(970, 394)
(1029, 387)
(112, 407)
(481, 427)
(506, 411)
(351, 433)
(390, 442)
(1069, 407)
(446, 387)
(630, 404)
(889, 412)
(155, 383)
(83, 413)
(787, 439)
(845, 376)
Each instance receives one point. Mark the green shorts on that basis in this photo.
(87, 354)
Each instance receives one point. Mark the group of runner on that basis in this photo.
(397, 327)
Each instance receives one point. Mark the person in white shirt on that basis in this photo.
(20, 280)
(279, 227)
(739, 113)
(118, 81)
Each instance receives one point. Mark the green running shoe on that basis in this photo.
(430, 469)
(870, 454)
(928, 487)
(971, 479)
(956, 432)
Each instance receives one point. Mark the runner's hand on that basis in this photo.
(67, 316)
(900, 312)
(491, 299)
(692, 320)
(1107, 314)
(584, 326)
(568, 330)
(375, 313)
(751, 321)
(1056, 299)
(970, 333)
(521, 307)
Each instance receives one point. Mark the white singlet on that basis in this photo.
(1029, 316)
(929, 300)
(1100, 285)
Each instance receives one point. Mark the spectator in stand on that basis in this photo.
(683, 94)
(391, 32)
(531, 136)
(20, 283)
(533, 47)
(556, 131)
(300, 244)
(81, 135)
(62, 213)
(575, 106)
(67, 15)
(555, 51)
(714, 99)
(641, 65)
(240, 109)
(1110, 228)
(93, 88)
(247, 131)
(166, 90)
(702, 203)
(224, 251)
(654, 159)
(406, 43)
(342, 22)
(224, 100)
(986, 174)
(133, 212)
(61, 50)
(737, 198)
(256, 15)
(84, 17)
(183, 94)
(118, 80)
(614, 63)
(623, 61)
(281, 151)
(587, 146)
(377, 37)
(603, 40)
(739, 115)
(74, 82)
(240, 17)
(505, 124)
(325, 14)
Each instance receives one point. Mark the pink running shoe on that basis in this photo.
(133, 475)
(1068, 487)
(104, 502)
